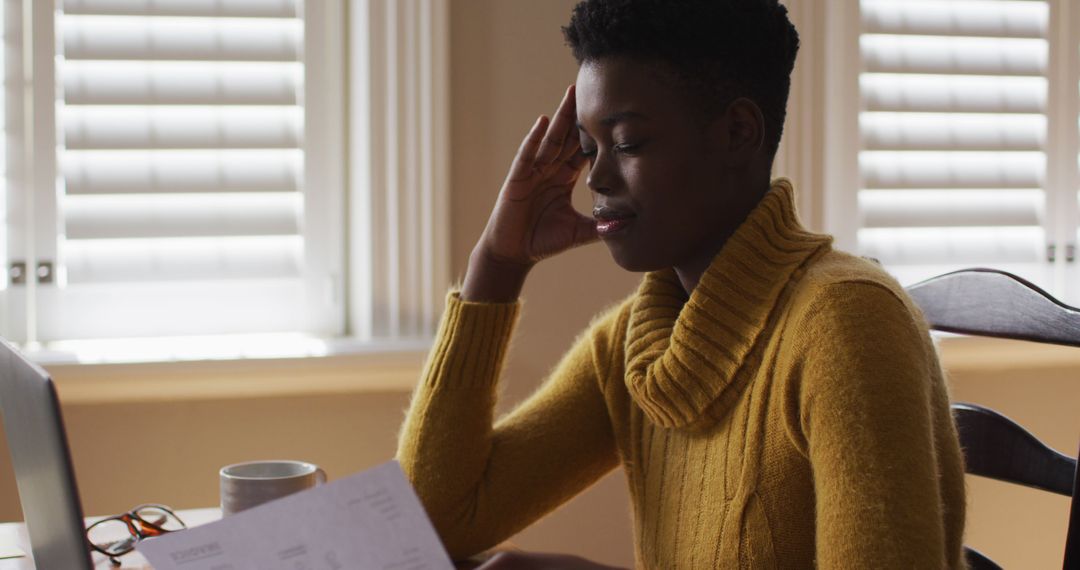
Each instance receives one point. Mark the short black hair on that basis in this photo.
(721, 49)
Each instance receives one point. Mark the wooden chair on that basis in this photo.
(992, 303)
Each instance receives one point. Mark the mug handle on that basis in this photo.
(320, 476)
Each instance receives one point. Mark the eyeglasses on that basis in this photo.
(117, 535)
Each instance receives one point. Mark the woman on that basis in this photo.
(773, 402)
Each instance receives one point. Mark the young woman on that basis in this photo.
(773, 402)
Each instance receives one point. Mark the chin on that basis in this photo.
(630, 262)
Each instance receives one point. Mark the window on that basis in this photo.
(950, 133)
(178, 167)
(953, 130)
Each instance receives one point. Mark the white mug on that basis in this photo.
(249, 484)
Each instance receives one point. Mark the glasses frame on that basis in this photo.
(137, 526)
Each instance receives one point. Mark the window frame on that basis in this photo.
(822, 139)
(383, 173)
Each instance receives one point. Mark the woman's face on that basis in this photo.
(662, 181)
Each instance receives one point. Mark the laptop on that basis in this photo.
(43, 471)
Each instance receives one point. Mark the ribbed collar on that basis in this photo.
(681, 357)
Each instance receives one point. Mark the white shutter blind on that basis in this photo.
(181, 164)
(5, 258)
(953, 129)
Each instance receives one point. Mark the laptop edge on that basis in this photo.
(42, 462)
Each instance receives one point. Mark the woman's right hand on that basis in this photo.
(533, 217)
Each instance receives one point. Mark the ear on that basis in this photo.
(742, 131)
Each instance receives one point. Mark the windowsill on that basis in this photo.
(338, 367)
(151, 350)
(350, 367)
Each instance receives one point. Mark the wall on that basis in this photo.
(508, 65)
(1036, 386)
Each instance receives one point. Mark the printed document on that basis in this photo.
(371, 520)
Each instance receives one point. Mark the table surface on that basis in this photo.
(14, 534)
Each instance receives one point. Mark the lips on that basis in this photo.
(610, 220)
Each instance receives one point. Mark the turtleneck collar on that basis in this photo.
(682, 356)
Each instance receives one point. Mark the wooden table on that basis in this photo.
(15, 534)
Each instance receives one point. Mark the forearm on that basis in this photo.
(490, 280)
(482, 483)
(446, 438)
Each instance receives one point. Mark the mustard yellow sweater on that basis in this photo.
(790, 413)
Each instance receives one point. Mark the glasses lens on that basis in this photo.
(159, 519)
(111, 536)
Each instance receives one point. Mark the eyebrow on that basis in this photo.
(616, 118)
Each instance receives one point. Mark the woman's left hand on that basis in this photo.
(533, 561)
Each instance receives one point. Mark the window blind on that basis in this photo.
(4, 85)
(181, 167)
(953, 129)
(4, 198)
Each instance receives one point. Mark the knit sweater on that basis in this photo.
(790, 413)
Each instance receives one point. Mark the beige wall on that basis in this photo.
(508, 65)
(1016, 526)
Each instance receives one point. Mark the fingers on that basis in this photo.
(571, 147)
(569, 169)
(522, 166)
(558, 134)
(577, 160)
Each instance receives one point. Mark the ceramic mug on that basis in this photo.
(249, 484)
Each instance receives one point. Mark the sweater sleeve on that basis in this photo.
(481, 483)
(865, 414)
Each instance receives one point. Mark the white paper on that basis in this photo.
(368, 521)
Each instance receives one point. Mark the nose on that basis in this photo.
(601, 174)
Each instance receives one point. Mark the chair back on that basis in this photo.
(987, 302)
